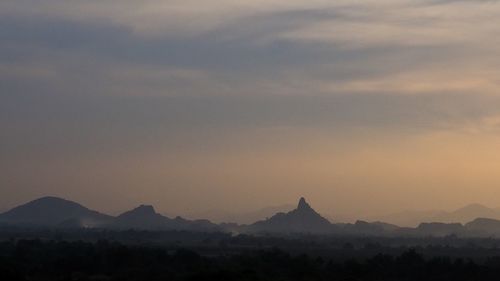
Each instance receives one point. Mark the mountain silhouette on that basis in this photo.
(53, 211)
(303, 219)
(246, 217)
(408, 218)
(368, 228)
(145, 217)
(483, 227)
(467, 214)
(57, 212)
(438, 229)
(462, 215)
(142, 217)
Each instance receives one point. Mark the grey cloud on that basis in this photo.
(238, 74)
(238, 57)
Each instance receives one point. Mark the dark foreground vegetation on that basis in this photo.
(105, 260)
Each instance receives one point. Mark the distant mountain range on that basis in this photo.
(243, 217)
(55, 212)
(461, 215)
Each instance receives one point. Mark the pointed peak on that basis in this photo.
(303, 204)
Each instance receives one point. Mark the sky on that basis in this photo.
(362, 107)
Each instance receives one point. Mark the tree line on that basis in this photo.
(104, 260)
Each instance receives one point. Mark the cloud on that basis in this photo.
(256, 63)
(279, 63)
(193, 97)
(280, 47)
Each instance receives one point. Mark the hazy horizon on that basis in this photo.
(402, 218)
(363, 107)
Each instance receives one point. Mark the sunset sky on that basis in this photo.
(362, 107)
